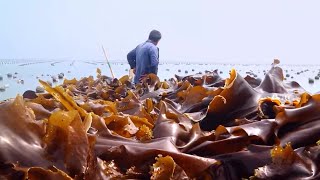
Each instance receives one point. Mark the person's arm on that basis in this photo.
(131, 57)
(154, 59)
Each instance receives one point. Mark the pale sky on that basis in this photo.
(233, 31)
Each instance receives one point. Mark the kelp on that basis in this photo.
(236, 100)
(193, 127)
(163, 169)
(32, 146)
(64, 98)
(33, 173)
(290, 164)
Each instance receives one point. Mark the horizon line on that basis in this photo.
(2, 61)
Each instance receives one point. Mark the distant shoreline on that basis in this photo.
(36, 61)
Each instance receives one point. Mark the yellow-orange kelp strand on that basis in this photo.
(88, 121)
(111, 109)
(229, 81)
(71, 81)
(149, 105)
(56, 95)
(110, 106)
(144, 133)
(283, 155)
(130, 96)
(63, 119)
(165, 85)
(123, 79)
(268, 101)
(66, 100)
(304, 98)
(112, 118)
(81, 111)
(138, 121)
(163, 168)
(98, 73)
(59, 119)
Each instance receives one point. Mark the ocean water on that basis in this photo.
(31, 71)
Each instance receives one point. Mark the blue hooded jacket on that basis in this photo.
(145, 59)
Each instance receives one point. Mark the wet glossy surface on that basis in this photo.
(201, 126)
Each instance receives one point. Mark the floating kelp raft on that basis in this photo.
(191, 127)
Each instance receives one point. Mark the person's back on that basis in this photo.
(144, 59)
(144, 63)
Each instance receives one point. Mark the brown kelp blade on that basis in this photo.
(66, 100)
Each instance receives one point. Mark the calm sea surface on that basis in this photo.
(31, 71)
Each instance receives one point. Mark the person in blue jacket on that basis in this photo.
(144, 59)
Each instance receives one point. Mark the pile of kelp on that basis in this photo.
(193, 127)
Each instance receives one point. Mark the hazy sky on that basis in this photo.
(196, 30)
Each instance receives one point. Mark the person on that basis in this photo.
(144, 59)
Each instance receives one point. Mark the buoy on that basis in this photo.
(60, 76)
(311, 81)
(2, 88)
(39, 89)
(54, 79)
